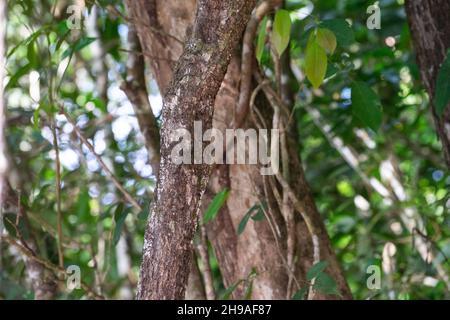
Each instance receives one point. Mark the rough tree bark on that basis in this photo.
(190, 97)
(429, 22)
(256, 247)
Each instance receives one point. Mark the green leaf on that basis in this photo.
(316, 269)
(442, 95)
(249, 281)
(227, 294)
(16, 77)
(143, 215)
(62, 28)
(79, 45)
(215, 205)
(261, 41)
(300, 294)
(82, 206)
(341, 29)
(244, 222)
(258, 216)
(119, 217)
(281, 32)
(32, 55)
(366, 105)
(36, 117)
(325, 284)
(326, 39)
(315, 63)
(332, 70)
(27, 41)
(19, 230)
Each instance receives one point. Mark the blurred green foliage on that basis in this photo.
(104, 233)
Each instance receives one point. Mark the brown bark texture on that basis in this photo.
(190, 97)
(429, 22)
(259, 246)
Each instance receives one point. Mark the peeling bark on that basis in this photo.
(429, 22)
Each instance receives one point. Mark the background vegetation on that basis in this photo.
(382, 187)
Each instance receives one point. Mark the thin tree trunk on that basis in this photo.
(429, 22)
(190, 97)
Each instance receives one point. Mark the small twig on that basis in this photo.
(202, 248)
(280, 123)
(19, 234)
(58, 195)
(427, 238)
(67, 242)
(48, 265)
(274, 228)
(108, 172)
(98, 278)
(288, 195)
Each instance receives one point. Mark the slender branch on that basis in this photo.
(108, 172)
(248, 59)
(288, 196)
(42, 283)
(202, 248)
(58, 195)
(260, 123)
(48, 265)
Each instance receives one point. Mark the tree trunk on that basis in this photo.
(429, 22)
(190, 97)
(257, 246)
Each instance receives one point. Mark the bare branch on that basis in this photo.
(48, 265)
(202, 248)
(58, 194)
(108, 172)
